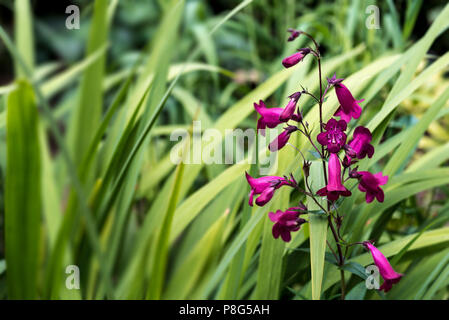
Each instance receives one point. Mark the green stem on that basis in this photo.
(343, 285)
(331, 225)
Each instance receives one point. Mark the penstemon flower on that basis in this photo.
(385, 269)
(335, 187)
(349, 107)
(360, 146)
(270, 117)
(370, 183)
(281, 140)
(286, 222)
(265, 186)
(332, 139)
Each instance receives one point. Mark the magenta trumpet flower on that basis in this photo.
(349, 107)
(385, 269)
(289, 110)
(281, 140)
(334, 137)
(265, 186)
(269, 117)
(370, 183)
(285, 222)
(360, 146)
(335, 187)
(292, 60)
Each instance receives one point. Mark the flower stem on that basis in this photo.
(321, 112)
(330, 223)
(329, 218)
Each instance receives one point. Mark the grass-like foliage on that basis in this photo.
(87, 178)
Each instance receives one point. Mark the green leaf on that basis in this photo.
(413, 8)
(358, 292)
(161, 254)
(179, 285)
(88, 113)
(318, 231)
(442, 264)
(63, 234)
(270, 259)
(22, 194)
(401, 154)
(404, 86)
(61, 80)
(431, 159)
(355, 268)
(24, 35)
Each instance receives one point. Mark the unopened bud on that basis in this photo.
(293, 34)
(354, 174)
(306, 168)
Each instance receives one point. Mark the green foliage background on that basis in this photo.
(85, 171)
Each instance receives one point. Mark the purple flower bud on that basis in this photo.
(346, 162)
(281, 140)
(334, 80)
(300, 116)
(349, 107)
(385, 269)
(292, 60)
(293, 34)
(335, 187)
(289, 110)
(306, 168)
(354, 174)
(296, 95)
(370, 183)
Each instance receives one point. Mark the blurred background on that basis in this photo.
(231, 69)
